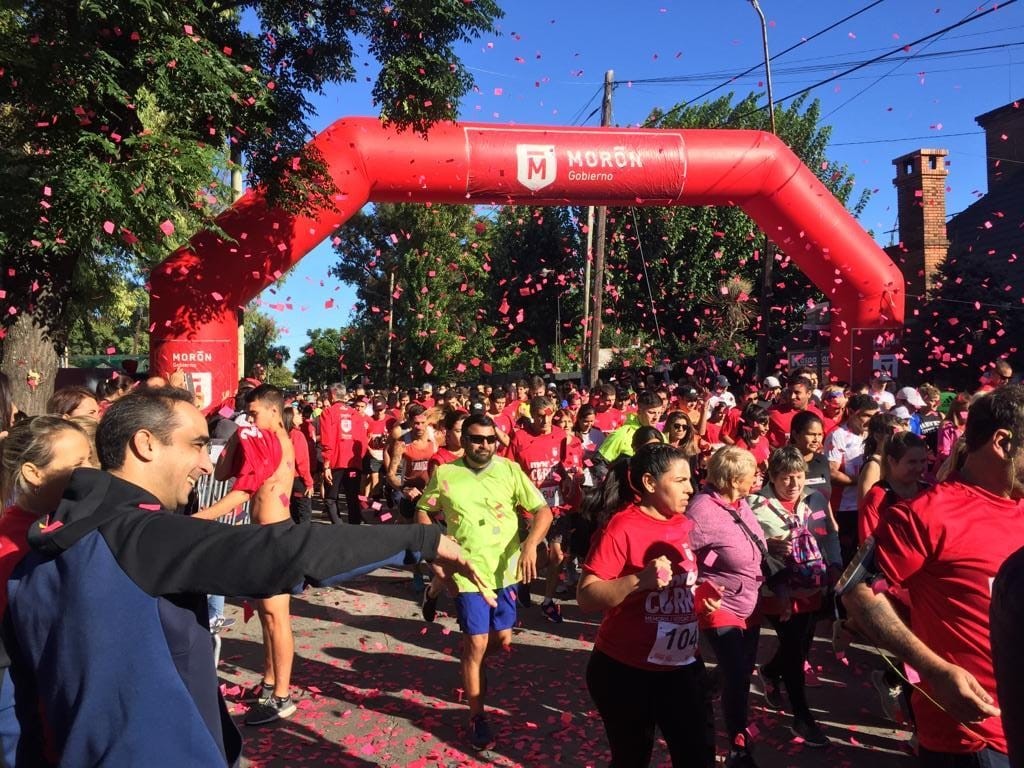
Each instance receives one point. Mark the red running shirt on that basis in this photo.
(944, 547)
(343, 435)
(539, 455)
(257, 457)
(14, 527)
(650, 629)
(609, 420)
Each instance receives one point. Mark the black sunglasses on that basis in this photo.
(481, 439)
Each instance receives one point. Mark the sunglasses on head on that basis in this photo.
(481, 439)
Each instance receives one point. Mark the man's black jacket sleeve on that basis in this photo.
(171, 554)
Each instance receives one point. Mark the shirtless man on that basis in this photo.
(262, 461)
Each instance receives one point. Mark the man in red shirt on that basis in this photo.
(944, 548)
(539, 449)
(780, 416)
(343, 438)
(607, 417)
(378, 426)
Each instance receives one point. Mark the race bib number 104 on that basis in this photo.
(675, 645)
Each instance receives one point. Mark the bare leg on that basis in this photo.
(279, 646)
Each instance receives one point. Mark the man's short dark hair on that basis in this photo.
(477, 420)
(861, 402)
(266, 393)
(647, 399)
(149, 408)
(414, 410)
(1000, 409)
(802, 381)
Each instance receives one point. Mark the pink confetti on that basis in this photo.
(167, 227)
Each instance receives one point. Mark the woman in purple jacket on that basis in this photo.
(728, 542)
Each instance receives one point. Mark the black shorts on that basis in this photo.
(371, 464)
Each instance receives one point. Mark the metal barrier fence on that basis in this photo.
(210, 491)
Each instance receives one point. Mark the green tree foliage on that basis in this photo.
(535, 302)
(420, 269)
(690, 252)
(261, 347)
(318, 364)
(113, 312)
(118, 118)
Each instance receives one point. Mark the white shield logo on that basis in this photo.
(536, 166)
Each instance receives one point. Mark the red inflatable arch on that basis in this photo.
(195, 293)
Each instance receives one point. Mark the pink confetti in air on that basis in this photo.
(664, 574)
(817, 515)
(150, 507)
(167, 227)
(710, 558)
(108, 227)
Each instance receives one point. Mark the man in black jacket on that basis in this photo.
(87, 692)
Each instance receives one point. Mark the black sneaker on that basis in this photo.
(262, 693)
(270, 710)
(811, 733)
(480, 734)
(740, 758)
(429, 605)
(552, 612)
(773, 692)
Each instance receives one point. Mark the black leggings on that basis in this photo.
(789, 658)
(346, 480)
(736, 652)
(633, 701)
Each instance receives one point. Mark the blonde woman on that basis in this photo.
(729, 547)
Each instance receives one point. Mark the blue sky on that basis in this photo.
(546, 64)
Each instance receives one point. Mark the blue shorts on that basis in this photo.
(476, 617)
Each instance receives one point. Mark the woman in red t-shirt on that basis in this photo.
(39, 455)
(904, 461)
(753, 436)
(645, 670)
(301, 502)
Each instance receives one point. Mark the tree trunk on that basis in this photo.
(27, 347)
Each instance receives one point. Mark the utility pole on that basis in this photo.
(236, 193)
(599, 238)
(585, 345)
(391, 325)
(768, 252)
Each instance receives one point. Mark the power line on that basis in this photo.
(880, 57)
(916, 55)
(757, 66)
(905, 138)
(824, 67)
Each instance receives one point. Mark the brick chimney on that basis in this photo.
(1004, 142)
(921, 203)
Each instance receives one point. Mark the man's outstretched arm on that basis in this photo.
(954, 688)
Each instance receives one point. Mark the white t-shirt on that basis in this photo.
(846, 449)
(885, 399)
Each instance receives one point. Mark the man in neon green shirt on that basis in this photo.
(620, 442)
(479, 496)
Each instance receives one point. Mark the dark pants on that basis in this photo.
(632, 702)
(789, 658)
(848, 535)
(986, 758)
(346, 480)
(736, 652)
(301, 508)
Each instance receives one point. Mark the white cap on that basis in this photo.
(912, 396)
(901, 412)
(770, 382)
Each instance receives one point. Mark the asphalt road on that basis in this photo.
(376, 685)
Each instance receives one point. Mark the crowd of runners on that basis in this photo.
(687, 515)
